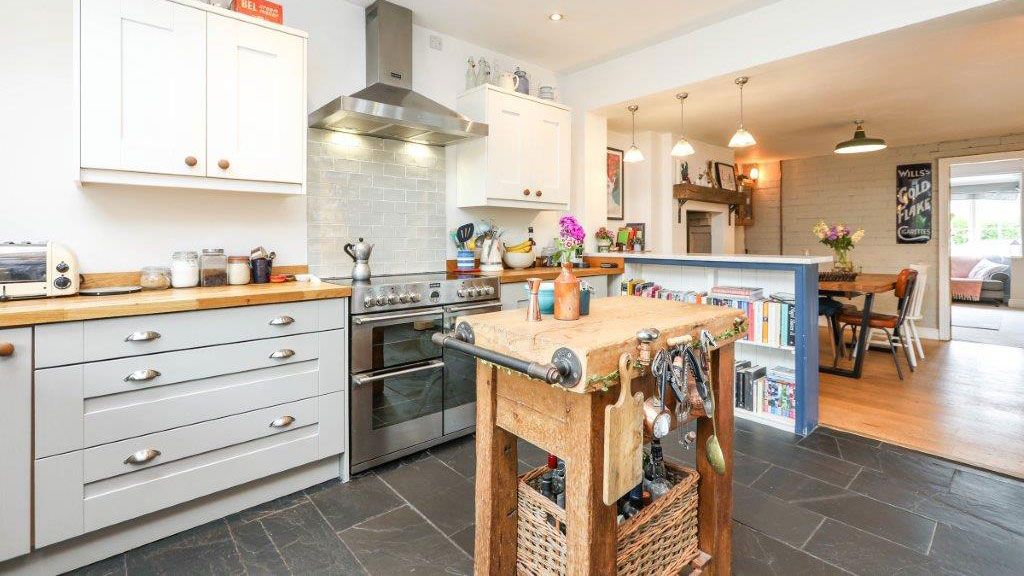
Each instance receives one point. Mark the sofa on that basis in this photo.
(994, 281)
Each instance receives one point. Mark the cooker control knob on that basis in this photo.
(392, 298)
(462, 293)
(368, 302)
(381, 300)
(63, 267)
(489, 290)
(473, 292)
(414, 297)
(403, 298)
(62, 282)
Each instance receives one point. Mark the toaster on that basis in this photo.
(37, 270)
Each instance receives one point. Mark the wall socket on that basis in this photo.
(435, 42)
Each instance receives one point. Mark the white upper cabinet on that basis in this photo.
(177, 93)
(257, 102)
(524, 160)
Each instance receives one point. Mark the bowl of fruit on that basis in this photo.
(520, 255)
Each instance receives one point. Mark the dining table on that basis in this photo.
(863, 284)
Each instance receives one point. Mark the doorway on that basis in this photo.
(981, 273)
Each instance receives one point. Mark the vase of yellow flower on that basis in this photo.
(841, 239)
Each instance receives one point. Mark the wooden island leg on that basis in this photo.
(496, 477)
(590, 533)
(714, 515)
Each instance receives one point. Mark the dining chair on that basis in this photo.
(891, 325)
(917, 302)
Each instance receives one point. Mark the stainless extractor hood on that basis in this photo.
(388, 107)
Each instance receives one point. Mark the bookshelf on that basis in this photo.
(796, 277)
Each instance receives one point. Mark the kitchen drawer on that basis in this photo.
(86, 490)
(86, 405)
(92, 340)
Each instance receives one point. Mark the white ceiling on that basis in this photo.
(592, 31)
(957, 77)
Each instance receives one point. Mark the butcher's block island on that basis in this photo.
(584, 374)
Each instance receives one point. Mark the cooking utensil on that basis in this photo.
(360, 254)
(463, 234)
(623, 437)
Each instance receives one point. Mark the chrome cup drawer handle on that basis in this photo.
(145, 336)
(142, 456)
(282, 422)
(142, 375)
(282, 321)
(283, 353)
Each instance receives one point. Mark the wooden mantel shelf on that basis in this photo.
(688, 191)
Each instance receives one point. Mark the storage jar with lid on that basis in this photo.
(238, 270)
(184, 269)
(155, 278)
(213, 267)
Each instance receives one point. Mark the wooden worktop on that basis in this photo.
(70, 308)
(509, 276)
(599, 338)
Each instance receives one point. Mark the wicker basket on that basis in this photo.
(661, 539)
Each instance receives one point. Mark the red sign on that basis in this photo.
(261, 9)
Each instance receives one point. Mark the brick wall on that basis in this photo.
(860, 191)
(763, 236)
(389, 192)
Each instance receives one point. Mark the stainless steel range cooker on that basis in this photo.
(407, 393)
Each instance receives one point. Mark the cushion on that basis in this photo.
(986, 268)
(960, 265)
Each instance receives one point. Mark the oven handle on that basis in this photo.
(365, 320)
(360, 380)
(474, 307)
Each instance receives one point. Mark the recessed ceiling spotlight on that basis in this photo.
(555, 16)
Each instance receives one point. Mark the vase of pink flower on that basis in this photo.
(841, 239)
(567, 285)
(604, 239)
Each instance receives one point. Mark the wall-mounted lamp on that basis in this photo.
(754, 173)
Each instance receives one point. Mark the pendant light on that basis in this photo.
(682, 147)
(742, 138)
(860, 142)
(633, 154)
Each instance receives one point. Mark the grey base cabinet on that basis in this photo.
(16, 442)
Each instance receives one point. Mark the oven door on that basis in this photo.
(460, 373)
(395, 409)
(389, 340)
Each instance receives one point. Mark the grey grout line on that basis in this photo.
(124, 562)
(274, 544)
(234, 542)
(854, 479)
(813, 532)
(791, 547)
(931, 540)
(424, 516)
(336, 535)
(761, 475)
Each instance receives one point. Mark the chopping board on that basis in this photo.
(623, 437)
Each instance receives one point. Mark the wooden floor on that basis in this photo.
(965, 403)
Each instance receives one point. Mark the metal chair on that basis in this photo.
(891, 325)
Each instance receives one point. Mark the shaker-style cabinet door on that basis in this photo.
(549, 155)
(143, 87)
(256, 102)
(509, 129)
(16, 442)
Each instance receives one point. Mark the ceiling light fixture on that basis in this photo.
(742, 138)
(860, 142)
(555, 16)
(633, 154)
(682, 147)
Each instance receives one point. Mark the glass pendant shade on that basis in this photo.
(682, 148)
(860, 142)
(742, 139)
(633, 154)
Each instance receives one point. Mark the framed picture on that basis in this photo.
(639, 234)
(725, 176)
(616, 185)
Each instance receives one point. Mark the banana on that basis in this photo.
(522, 247)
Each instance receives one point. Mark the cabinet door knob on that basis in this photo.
(142, 456)
(145, 336)
(142, 375)
(6, 349)
(282, 321)
(539, 193)
(191, 161)
(282, 422)
(223, 164)
(526, 191)
(283, 353)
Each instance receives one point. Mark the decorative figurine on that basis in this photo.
(684, 173)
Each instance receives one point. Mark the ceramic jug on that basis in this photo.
(360, 254)
(523, 82)
(508, 81)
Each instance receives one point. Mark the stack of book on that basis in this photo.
(638, 287)
(749, 382)
(780, 392)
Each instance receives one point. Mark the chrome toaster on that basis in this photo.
(37, 270)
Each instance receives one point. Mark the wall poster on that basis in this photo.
(616, 185)
(913, 203)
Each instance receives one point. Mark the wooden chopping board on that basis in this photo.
(623, 437)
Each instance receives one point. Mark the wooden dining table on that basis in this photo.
(867, 285)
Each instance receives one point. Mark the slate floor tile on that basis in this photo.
(345, 505)
(1000, 501)
(842, 447)
(259, 555)
(402, 542)
(267, 508)
(436, 491)
(861, 553)
(878, 486)
(308, 544)
(746, 468)
(821, 442)
(755, 554)
(945, 514)
(918, 471)
(766, 432)
(794, 487)
(809, 462)
(849, 436)
(204, 550)
(967, 552)
(113, 566)
(459, 455)
(465, 538)
(531, 454)
(780, 520)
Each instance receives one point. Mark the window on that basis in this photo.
(986, 226)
